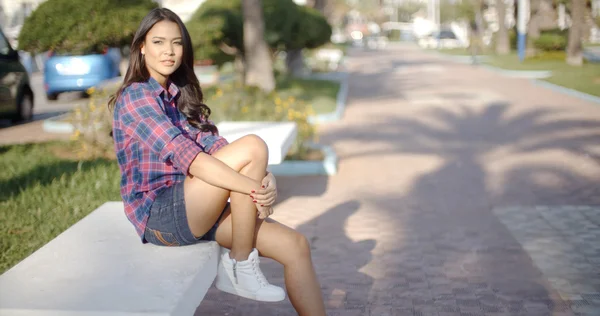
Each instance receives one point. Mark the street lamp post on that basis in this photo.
(522, 27)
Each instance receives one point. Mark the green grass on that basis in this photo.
(585, 79)
(456, 51)
(321, 94)
(41, 195)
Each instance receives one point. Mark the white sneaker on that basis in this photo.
(245, 279)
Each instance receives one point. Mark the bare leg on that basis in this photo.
(290, 248)
(205, 202)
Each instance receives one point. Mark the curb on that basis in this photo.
(58, 125)
(567, 91)
(328, 166)
(463, 59)
(528, 74)
(467, 59)
(340, 106)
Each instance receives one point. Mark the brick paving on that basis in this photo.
(32, 132)
(460, 192)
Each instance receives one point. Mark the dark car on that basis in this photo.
(16, 95)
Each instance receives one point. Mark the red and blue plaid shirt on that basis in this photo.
(155, 145)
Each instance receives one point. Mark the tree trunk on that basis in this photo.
(319, 5)
(258, 62)
(295, 62)
(502, 41)
(574, 47)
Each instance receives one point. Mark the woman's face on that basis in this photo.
(162, 50)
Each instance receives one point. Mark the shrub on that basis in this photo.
(310, 31)
(213, 24)
(92, 121)
(549, 56)
(551, 42)
(82, 26)
(287, 26)
(235, 102)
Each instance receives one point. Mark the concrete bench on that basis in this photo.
(99, 266)
(279, 136)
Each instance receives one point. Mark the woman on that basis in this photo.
(177, 173)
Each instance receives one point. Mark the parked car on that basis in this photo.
(16, 95)
(67, 73)
(443, 39)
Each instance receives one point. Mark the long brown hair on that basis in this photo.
(191, 99)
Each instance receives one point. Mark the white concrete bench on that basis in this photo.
(333, 57)
(279, 136)
(99, 266)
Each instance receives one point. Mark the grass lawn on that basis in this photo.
(321, 94)
(41, 195)
(456, 51)
(585, 79)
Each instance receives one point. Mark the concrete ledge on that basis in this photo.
(568, 91)
(279, 136)
(341, 98)
(328, 166)
(529, 74)
(58, 125)
(100, 267)
(463, 59)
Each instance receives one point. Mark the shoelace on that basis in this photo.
(261, 277)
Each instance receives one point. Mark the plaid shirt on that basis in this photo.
(155, 146)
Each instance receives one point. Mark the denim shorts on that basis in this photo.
(168, 224)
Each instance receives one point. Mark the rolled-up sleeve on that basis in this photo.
(211, 143)
(144, 119)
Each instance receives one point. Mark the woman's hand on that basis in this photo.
(266, 196)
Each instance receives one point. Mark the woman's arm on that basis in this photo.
(215, 172)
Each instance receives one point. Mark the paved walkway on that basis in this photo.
(460, 192)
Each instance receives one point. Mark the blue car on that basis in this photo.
(67, 73)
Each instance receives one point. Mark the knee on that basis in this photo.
(301, 246)
(257, 147)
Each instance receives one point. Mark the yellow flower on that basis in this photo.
(245, 109)
(92, 107)
(278, 101)
(219, 92)
(75, 135)
(91, 90)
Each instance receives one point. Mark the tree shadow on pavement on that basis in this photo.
(459, 254)
(300, 186)
(337, 266)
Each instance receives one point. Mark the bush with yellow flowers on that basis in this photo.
(236, 102)
(92, 124)
(92, 121)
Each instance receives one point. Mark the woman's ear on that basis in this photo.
(142, 49)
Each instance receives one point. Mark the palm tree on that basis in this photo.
(575, 47)
(502, 43)
(259, 65)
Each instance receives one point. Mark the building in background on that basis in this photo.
(12, 15)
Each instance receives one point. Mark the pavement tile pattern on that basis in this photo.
(460, 192)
